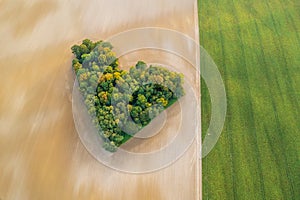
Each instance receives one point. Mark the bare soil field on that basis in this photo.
(41, 156)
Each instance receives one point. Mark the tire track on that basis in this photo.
(250, 106)
(278, 125)
(289, 17)
(229, 125)
(271, 94)
(285, 68)
(294, 102)
(203, 97)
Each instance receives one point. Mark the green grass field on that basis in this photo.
(256, 45)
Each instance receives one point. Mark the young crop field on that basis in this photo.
(256, 46)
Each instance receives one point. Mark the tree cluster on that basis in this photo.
(121, 102)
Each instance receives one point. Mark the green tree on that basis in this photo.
(107, 91)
